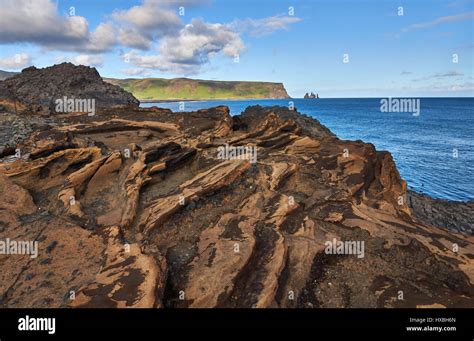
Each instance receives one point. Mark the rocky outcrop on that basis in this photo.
(452, 215)
(310, 95)
(36, 90)
(150, 208)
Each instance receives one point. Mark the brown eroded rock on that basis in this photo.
(67, 257)
(160, 218)
(15, 202)
(128, 278)
(14, 198)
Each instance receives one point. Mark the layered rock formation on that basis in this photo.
(137, 208)
(36, 90)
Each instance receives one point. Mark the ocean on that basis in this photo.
(434, 151)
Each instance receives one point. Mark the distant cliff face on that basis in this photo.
(36, 90)
(195, 89)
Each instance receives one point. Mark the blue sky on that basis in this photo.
(299, 43)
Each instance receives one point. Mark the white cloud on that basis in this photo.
(441, 20)
(264, 26)
(180, 48)
(142, 24)
(16, 62)
(198, 40)
(443, 75)
(102, 38)
(38, 21)
(194, 46)
(133, 38)
(158, 62)
(447, 74)
(133, 72)
(82, 59)
(151, 16)
(87, 59)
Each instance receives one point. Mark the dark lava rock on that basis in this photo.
(452, 215)
(38, 89)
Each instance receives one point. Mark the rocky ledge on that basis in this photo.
(153, 208)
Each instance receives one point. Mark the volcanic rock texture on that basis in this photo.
(133, 208)
(36, 90)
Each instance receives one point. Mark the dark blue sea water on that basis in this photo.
(424, 147)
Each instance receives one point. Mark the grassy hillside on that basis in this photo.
(193, 89)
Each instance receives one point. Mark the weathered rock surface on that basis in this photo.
(36, 90)
(452, 215)
(134, 208)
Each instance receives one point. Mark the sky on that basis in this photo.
(337, 48)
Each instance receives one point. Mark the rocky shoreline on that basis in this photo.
(452, 215)
(455, 216)
(136, 207)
